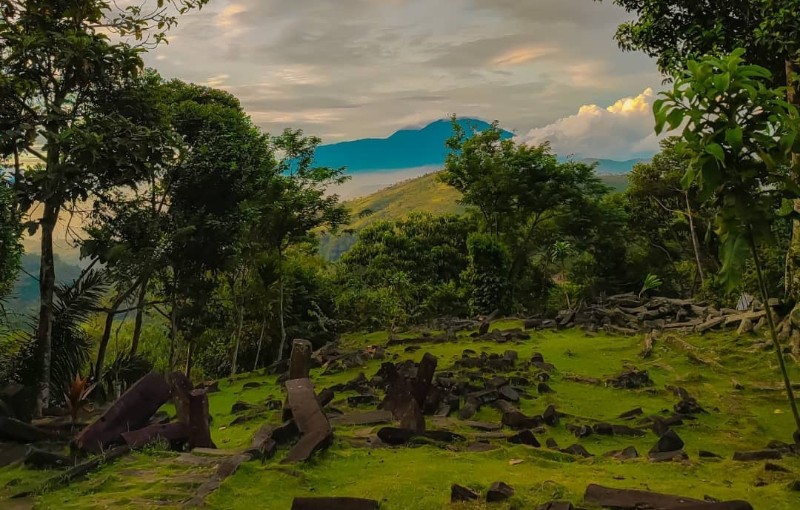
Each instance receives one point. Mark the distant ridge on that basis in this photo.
(407, 148)
(417, 148)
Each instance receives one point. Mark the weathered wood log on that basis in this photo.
(625, 499)
(130, 412)
(300, 361)
(20, 432)
(311, 421)
(191, 406)
(175, 433)
(334, 504)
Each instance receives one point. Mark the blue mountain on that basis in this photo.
(407, 148)
(424, 147)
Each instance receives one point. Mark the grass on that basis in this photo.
(420, 477)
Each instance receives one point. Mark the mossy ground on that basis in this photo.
(420, 477)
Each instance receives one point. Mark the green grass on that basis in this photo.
(420, 477)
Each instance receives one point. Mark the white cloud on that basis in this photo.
(623, 130)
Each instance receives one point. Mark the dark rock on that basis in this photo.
(689, 406)
(580, 431)
(578, 451)
(300, 359)
(537, 357)
(175, 434)
(444, 436)
(757, 455)
(275, 405)
(459, 493)
(795, 486)
(627, 454)
(509, 393)
(668, 456)
(481, 447)
(542, 377)
(251, 385)
(362, 400)
(487, 427)
(603, 429)
(315, 430)
(532, 323)
(496, 382)
(131, 411)
(551, 443)
(668, 442)
(704, 454)
(18, 431)
(469, 409)
(40, 459)
(622, 430)
(240, 407)
(395, 436)
(556, 505)
(625, 499)
(633, 413)
(525, 437)
(334, 504)
(544, 389)
(775, 468)
(12, 454)
(499, 491)
(551, 416)
(631, 379)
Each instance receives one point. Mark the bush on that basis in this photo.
(487, 272)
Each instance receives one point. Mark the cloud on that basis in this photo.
(363, 68)
(623, 130)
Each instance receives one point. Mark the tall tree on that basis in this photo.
(67, 83)
(10, 248)
(675, 31)
(740, 135)
(295, 205)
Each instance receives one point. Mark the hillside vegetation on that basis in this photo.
(422, 194)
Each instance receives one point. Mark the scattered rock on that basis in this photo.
(670, 441)
(551, 416)
(757, 455)
(525, 437)
(240, 407)
(556, 505)
(499, 491)
(626, 454)
(459, 493)
(577, 450)
(251, 385)
(776, 468)
(631, 379)
(705, 454)
(367, 418)
(334, 504)
(544, 389)
(679, 455)
(40, 459)
(18, 431)
(551, 443)
(480, 447)
(625, 499)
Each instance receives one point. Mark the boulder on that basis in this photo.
(459, 494)
(670, 441)
(525, 437)
(499, 491)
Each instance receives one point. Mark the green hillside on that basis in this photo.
(424, 194)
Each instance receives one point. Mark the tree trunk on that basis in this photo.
(112, 312)
(695, 241)
(238, 338)
(173, 332)
(137, 325)
(189, 356)
(47, 283)
(283, 326)
(260, 340)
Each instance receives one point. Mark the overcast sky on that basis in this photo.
(347, 69)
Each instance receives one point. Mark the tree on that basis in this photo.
(293, 206)
(675, 31)
(10, 248)
(65, 82)
(520, 191)
(740, 135)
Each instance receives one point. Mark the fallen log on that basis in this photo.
(20, 432)
(175, 433)
(626, 499)
(130, 412)
(334, 504)
(312, 423)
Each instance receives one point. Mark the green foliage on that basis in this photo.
(10, 247)
(739, 135)
(651, 282)
(487, 274)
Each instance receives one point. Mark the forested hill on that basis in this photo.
(422, 194)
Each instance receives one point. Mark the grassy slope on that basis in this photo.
(424, 194)
(419, 478)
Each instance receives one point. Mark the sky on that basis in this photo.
(348, 69)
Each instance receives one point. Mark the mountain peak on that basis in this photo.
(406, 148)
